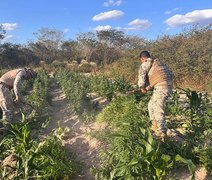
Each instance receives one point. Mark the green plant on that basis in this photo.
(108, 87)
(205, 156)
(137, 157)
(23, 147)
(198, 111)
(195, 112)
(47, 159)
(125, 110)
(54, 161)
(76, 87)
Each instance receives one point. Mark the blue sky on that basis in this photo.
(148, 19)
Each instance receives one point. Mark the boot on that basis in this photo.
(161, 135)
(158, 133)
(154, 125)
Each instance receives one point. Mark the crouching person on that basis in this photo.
(12, 80)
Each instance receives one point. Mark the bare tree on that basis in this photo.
(70, 50)
(2, 32)
(112, 41)
(87, 44)
(112, 38)
(48, 44)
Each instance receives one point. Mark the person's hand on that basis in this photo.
(143, 90)
(148, 88)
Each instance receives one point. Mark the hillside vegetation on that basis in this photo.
(105, 64)
(115, 53)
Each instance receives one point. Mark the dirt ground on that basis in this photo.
(84, 146)
(77, 140)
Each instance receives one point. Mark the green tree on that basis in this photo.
(14, 55)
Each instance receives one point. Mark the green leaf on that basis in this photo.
(189, 163)
(133, 162)
(158, 173)
(166, 158)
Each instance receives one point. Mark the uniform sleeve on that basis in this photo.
(142, 74)
(18, 84)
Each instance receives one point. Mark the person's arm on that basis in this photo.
(142, 75)
(18, 85)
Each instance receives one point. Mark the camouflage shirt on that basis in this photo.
(142, 73)
(18, 84)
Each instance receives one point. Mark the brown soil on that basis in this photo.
(77, 140)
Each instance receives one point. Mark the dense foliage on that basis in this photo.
(187, 53)
(23, 153)
(134, 154)
(132, 151)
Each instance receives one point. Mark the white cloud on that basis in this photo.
(138, 24)
(194, 17)
(7, 38)
(168, 28)
(173, 10)
(9, 26)
(103, 28)
(115, 14)
(66, 30)
(118, 28)
(112, 3)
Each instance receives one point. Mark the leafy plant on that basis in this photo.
(108, 87)
(76, 87)
(205, 156)
(36, 160)
(137, 157)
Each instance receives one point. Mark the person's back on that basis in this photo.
(9, 77)
(12, 80)
(160, 75)
(154, 74)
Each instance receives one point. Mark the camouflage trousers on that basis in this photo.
(156, 107)
(6, 104)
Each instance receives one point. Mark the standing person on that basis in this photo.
(155, 74)
(12, 80)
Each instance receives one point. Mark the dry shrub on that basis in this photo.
(85, 67)
(83, 61)
(127, 68)
(46, 67)
(59, 64)
(73, 66)
(196, 83)
(43, 65)
(93, 64)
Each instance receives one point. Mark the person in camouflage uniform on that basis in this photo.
(155, 74)
(8, 81)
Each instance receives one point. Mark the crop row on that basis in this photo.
(133, 152)
(23, 153)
